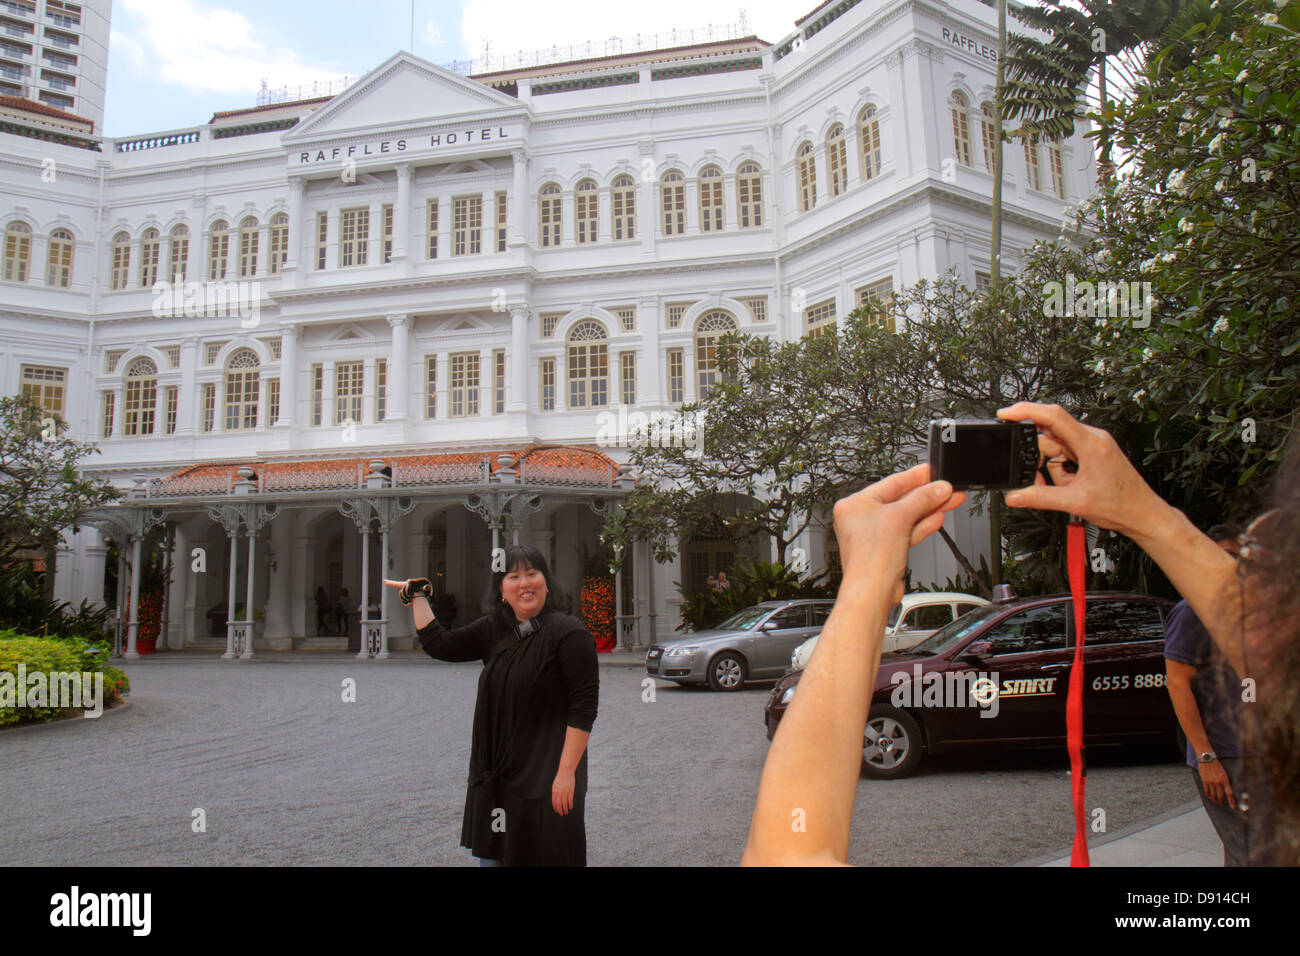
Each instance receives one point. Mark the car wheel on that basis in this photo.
(727, 671)
(891, 745)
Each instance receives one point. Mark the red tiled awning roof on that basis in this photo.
(32, 106)
(548, 464)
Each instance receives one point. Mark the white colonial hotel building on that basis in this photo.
(455, 278)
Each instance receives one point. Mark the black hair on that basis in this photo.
(1227, 531)
(519, 556)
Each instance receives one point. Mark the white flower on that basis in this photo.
(1220, 186)
(1176, 181)
(1277, 129)
(1225, 122)
(1147, 355)
(1270, 18)
(1214, 143)
(1221, 325)
(1186, 226)
(1147, 265)
(1140, 394)
(1101, 367)
(1266, 174)
(1215, 59)
(1241, 76)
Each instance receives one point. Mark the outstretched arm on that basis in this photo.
(810, 780)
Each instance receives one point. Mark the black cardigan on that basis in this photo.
(529, 692)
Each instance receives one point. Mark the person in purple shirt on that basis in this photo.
(1207, 697)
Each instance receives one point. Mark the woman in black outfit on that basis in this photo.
(536, 704)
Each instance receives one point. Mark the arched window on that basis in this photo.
(551, 214)
(58, 264)
(624, 207)
(241, 390)
(869, 137)
(279, 243)
(749, 195)
(988, 134)
(18, 252)
(1057, 165)
(121, 261)
(218, 249)
(1035, 177)
(150, 251)
(178, 265)
(807, 178)
(586, 214)
(588, 365)
(710, 327)
(960, 127)
(672, 197)
(248, 239)
(141, 397)
(711, 211)
(837, 159)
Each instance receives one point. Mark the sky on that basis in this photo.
(173, 63)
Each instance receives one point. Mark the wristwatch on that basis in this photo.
(1208, 757)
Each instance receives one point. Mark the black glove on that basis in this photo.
(415, 586)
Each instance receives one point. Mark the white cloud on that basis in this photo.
(514, 26)
(432, 36)
(124, 49)
(217, 51)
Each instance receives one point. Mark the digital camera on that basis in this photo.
(975, 454)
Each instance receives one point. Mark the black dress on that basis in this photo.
(530, 691)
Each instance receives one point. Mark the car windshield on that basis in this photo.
(745, 620)
(893, 615)
(945, 637)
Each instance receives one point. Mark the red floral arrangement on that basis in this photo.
(597, 609)
(150, 621)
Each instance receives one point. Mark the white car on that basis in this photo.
(911, 621)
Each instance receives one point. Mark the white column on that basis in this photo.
(375, 239)
(519, 199)
(263, 400)
(249, 626)
(365, 589)
(443, 398)
(296, 230)
(370, 380)
(605, 215)
(289, 338)
(133, 629)
(568, 221)
(174, 639)
(331, 240)
(159, 408)
(399, 369)
(119, 408)
(190, 397)
(649, 370)
(485, 374)
(487, 233)
(445, 214)
(402, 214)
(383, 596)
(518, 359)
(230, 596)
(730, 203)
(327, 394)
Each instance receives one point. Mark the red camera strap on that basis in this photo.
(1076, 564)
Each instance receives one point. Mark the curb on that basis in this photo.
(61, 722)
(1112, 837)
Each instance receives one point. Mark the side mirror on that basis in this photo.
(768, 626)
(976, 651)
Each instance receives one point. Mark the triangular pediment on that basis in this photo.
(404, 91)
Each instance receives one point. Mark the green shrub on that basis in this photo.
(47, 654)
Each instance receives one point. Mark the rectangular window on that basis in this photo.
(464, 384)
(322, 238)
(209, 406)
(111, 358)
(1035, 179)
(45, 386)
(180, 256)
(150, 251)
(548, 384)
(981, 281)
(627, 377)
(549, 321)
(432, 218)
(272, 400)
(172, 400)
(249, 236)
(279, 245)
(467, 226)
(675, 312)
(819, 318)
(675, 375)
(354, 237)
(757, 308)
(502, 213)
(211, 351)
(110, 400)
(626, 318)
(498, 381)
(1058, 169)
(386, 215)
(349, 390)
(317, 393)
(875, 298)
(173, 353)
(623, 204)
(431, 386)
(218, 254)
(381, 389)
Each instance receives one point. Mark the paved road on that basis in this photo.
(289, 774)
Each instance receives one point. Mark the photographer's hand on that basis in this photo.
(418, 593)
(1108, 492)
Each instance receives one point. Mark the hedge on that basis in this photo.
(47, 655)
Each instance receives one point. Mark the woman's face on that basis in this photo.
(524, 589)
